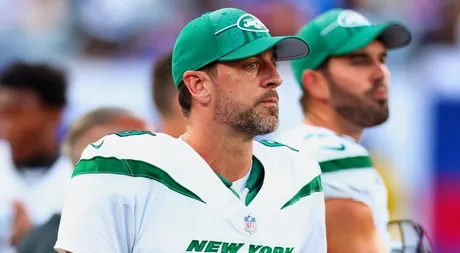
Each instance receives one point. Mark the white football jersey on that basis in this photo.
(347, 170)
(142, 192)
(41, 193)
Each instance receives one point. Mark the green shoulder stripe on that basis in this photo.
(132, 168)
(358, 162)
(314, 186)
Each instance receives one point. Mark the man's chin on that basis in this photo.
(378, 120)
(269, 128)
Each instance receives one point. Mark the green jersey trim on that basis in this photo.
(358, 162)
(228, 184)
(313, 186)
(270, 143)
(131, 168)
(255, 180)
(254, 183)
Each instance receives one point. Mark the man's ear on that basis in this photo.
(199, 85)
(315, 84)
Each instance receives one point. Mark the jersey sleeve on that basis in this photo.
(99, 213)
(95, 218)
(348, 184)
(346, 168)
(347, 175)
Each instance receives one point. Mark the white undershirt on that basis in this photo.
(240, 186)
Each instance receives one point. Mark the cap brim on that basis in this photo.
(287, 48)
(392, 34)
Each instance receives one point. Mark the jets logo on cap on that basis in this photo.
(248, 22)
(349, 18)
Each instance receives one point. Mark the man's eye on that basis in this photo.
(253, 65)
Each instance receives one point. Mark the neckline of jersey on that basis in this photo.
(254, 182)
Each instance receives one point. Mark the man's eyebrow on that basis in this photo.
(355, 54)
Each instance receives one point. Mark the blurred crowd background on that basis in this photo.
(109, 47)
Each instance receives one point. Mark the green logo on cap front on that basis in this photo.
(248, 22)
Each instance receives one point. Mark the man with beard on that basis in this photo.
(345, 83)
(213, 189)
(33, 172)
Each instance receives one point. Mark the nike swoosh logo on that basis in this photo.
(338, 148)
(96, 146)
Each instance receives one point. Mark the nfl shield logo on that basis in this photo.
(250, 225)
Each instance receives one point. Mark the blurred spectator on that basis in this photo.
(34, 175)
(447, 32)
(127, 28)
(38, 30)
(165, 97)
(87, 129)
(97, 123)
(281, 18)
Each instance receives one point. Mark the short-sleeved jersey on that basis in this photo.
(347, 170)
(142, 192)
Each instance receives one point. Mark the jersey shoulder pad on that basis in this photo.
(114, 143)
(336, 153)
(153, 156)
(116, 153)
(289, 167)
(333, 152)
(283, 153)
(287, 160)
(332, 145)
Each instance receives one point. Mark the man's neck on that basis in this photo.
(329, 119)
(43, 155)
(228, 153)
(39, 161)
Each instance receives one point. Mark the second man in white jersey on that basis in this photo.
(345, 90)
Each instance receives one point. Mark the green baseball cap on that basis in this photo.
(339, 31)
(226, 35)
